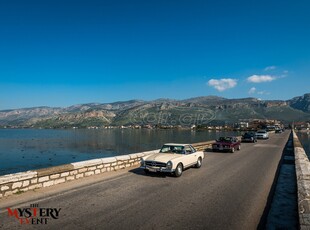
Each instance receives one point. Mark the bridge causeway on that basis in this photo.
(229, 191)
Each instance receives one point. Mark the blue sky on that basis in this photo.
(60, 53)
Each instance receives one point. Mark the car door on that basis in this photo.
(190, 156)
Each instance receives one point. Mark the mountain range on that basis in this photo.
(199, 110)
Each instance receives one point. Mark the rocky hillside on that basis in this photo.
(301, 103)
(200, 110)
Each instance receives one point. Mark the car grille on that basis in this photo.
(223, 146)
(155, 164)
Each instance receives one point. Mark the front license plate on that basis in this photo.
(152, 170)
(221, 148)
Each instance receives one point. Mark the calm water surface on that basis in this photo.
(27, 149)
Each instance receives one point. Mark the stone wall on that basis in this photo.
(30, 180)
(302, 166)
(24, 181)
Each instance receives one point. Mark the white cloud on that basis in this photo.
(270, 68)
(263, 93)
(261, 78)
(252, 90)
(222, 84)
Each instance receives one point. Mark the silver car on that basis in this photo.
(262, 134)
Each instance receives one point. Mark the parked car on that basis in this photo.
(173, 158)
(262, 134)
(226, 144)
(249, 137)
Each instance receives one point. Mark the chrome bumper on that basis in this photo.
(158, 169)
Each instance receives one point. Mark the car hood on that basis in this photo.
(162, 157)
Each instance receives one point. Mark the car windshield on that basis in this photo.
(225, 139)
(172, 149)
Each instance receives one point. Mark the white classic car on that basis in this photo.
(172, 158)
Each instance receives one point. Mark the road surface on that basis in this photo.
(229, 191)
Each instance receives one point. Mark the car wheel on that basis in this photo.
(239, 147)
(179, 170)
(199, 163)
(232, 150)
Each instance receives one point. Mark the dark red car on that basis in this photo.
(229, 144)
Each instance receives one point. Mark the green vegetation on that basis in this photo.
(19, 192)
(81, 123)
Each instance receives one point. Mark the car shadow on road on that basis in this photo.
(210, 150)
(140, 172)
(207, 150)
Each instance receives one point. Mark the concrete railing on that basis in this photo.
(30, 180)
(302, 166)
(201, 146)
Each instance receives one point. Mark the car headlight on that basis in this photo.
(169, 165)
(142, 162)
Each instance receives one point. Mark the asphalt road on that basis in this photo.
(229, 191)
